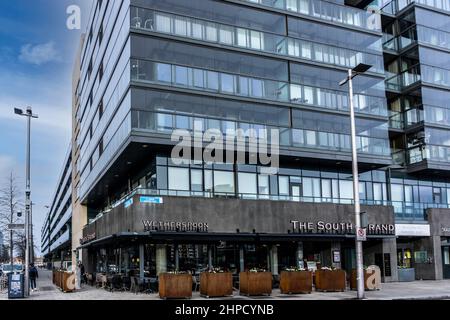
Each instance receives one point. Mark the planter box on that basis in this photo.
(255, 283)
(332, 281)
(406, 275)
(216, 284)
(64, 281)
(176, 286)
(296, 282)
(67, 281)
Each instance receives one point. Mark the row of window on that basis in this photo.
(225, 83)
(328, 11)
(301, 138)
(254, 40)
(257, 185)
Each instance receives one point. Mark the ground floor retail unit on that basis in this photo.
(149, 235)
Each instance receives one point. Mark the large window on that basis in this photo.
(178, 179)
(196, 180)
(223, 182)
(247, 183)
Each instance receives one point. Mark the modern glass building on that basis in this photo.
(56, 232)
(148, 67)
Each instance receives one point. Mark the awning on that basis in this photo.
(217, 237)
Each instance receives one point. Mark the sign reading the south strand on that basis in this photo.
(339, 228)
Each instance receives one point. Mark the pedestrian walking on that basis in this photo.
(33, 275)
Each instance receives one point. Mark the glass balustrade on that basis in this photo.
(398, 82)
(165, 123)
(429, 152)
(433, 37)
(202, 30)
(438, 4)
(435, 75)
(231, 84)
(327, 11)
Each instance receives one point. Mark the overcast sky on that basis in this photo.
(37, 53)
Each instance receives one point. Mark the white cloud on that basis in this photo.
(39, 54)
(7, 164)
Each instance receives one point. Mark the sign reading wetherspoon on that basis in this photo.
(339, 228)
(150, 225)
(87, 238)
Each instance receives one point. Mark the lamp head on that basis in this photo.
(361, 68)
(18, 111)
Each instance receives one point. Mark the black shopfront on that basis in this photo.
(147, 235)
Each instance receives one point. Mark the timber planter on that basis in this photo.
(296, 282)
(67, 282)
(64, 280)
(216, 284)
(330, 280)
(175, 286)
(255, 283)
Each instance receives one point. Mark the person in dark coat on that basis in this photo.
(33, 274)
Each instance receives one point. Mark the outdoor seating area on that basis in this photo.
(214, 284)
(122, 283)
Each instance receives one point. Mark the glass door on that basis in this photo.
(446, 262)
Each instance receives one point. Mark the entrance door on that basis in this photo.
(446, 262)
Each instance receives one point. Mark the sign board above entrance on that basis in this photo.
(340, 228)
(417, 230)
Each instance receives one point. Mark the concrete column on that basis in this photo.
(390, 247)
(241, 259)
(141, 261)
(161, 259)
(299, 255)
(336, 246)
(274, 260)
(269, 258)
(437, 257)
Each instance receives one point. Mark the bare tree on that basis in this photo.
(20, 245)
(4, 257)
(10, 205)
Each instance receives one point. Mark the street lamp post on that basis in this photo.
(29, 114)
(361, 68)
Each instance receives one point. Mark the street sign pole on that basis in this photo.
(359, 249)
(29, 114)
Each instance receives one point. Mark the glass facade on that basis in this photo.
(262, 65)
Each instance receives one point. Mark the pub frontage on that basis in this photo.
(146, 235)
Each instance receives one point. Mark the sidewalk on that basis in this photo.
(435, 290)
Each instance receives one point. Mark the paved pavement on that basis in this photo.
(390, 291)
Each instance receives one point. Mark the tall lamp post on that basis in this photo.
(29, 114)
(359, 69)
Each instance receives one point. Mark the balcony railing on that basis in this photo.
(399, 82)
(228, 35)
(394, 6)
(237, 85)
(288, 137)
(428, 152)
(327, 11)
